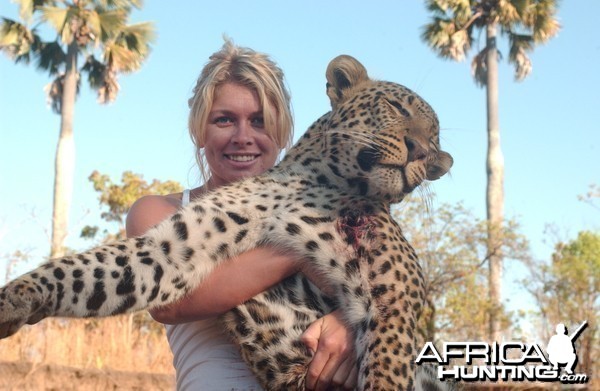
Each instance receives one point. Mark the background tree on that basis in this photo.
(95, 31)
(118, 198)
(567, 290)
(12, 260)
(452, 247)
(451, 34)
(592, 196)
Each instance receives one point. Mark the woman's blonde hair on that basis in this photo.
(244, 66)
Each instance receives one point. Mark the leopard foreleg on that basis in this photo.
(134, 274)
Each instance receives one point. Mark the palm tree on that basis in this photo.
(94, 32)
(450, 34)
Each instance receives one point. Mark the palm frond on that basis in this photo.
(130, 48)
(55, 16)
(520, 6)
(546, 27)
(509, 12)
(110, 23)
(120, 58)
(520, 44)
(523, 66)
(479, 68)
(120, 4)
(522, 41)
(436, 7)
(54, 92)
(66, 21)
(145, 31)
(17, 41)
(540, 18)
(462, 11)
(137, 37)
(92, 22)
(103, 79)
(108, 91)
(446, 39)
(51, 57)
(28, 7)
(95, 70)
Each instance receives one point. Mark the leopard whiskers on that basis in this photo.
(366, 140)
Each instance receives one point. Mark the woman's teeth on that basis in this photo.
(241, 158)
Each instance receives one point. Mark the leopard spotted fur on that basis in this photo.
(327, 202)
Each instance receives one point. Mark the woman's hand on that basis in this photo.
(334, 361)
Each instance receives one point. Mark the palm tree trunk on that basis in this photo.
(495, 186)
(65, 156)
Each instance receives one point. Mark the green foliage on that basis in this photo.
(567, 290)
(578, 265)
(118, 198)
(456, 23)
(452, 247)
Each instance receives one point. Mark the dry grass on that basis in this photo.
(128, 343)
(128, 352)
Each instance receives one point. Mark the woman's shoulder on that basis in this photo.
(150, 210)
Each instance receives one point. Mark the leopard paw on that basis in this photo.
(20, 303)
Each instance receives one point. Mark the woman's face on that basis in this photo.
(237, 145)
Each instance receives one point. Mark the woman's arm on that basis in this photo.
(229, 285)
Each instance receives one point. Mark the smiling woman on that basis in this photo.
(263, 89)
(240, 120)
(236, 142)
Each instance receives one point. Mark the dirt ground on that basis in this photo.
(23, 376)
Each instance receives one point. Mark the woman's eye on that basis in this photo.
(258, 122)
(222, 121)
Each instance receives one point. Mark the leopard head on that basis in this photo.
(380, 137)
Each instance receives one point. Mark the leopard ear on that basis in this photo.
(343, 73)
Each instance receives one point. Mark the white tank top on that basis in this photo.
(203, 356)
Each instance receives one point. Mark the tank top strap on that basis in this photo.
(185, 197)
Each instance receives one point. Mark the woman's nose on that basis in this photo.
(243, 134)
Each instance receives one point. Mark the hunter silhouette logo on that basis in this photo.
(507, 361)
(561, 348)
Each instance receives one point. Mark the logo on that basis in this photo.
(507, 361)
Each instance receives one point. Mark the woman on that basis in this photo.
(240, 119)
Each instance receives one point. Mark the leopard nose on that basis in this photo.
(415, 150)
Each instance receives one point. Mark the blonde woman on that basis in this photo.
(240, 120)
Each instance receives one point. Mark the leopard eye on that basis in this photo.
(400, 108)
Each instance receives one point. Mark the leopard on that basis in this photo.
(328, 202)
